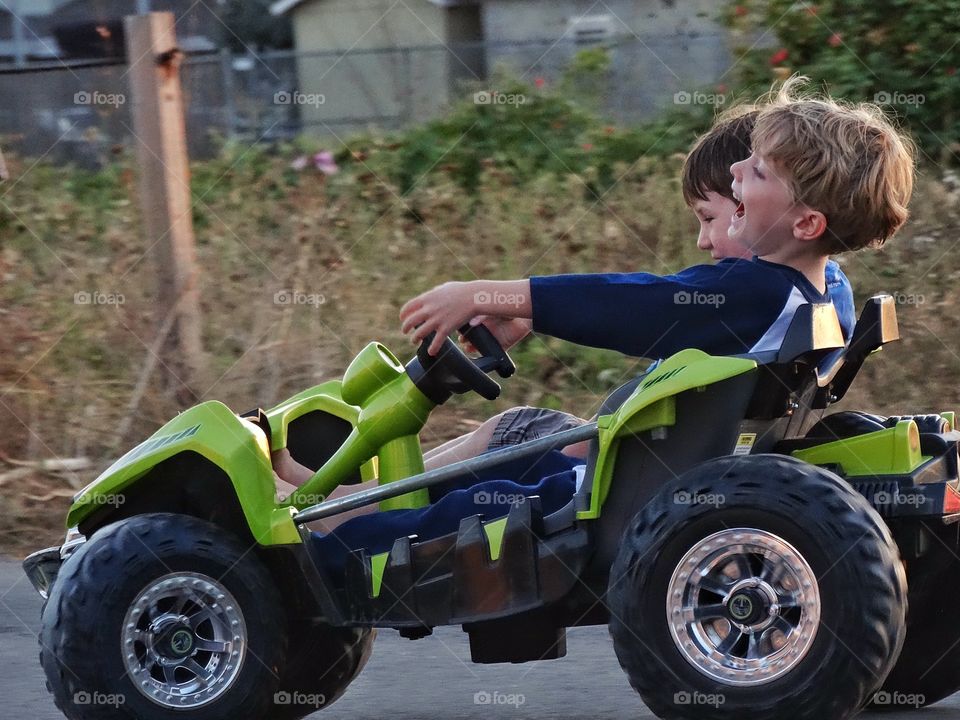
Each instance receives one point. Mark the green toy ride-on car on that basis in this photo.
(739, 543)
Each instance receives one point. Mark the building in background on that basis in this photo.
(25, 30)
(355, 64)
(387, 63)
(361, 61)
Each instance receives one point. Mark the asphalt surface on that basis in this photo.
(405, 680)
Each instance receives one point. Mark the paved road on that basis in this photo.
(409, 680)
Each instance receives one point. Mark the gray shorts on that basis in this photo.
(521, 424)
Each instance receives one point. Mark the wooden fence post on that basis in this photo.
(164, 178)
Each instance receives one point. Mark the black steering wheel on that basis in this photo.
(451, 371)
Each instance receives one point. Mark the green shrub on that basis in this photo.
(897, 53)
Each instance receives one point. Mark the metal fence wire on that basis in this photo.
(80, 113)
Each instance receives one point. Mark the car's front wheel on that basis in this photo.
(163, 616)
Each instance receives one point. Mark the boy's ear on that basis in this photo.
(809, 224)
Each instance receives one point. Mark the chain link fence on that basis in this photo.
(81, 113)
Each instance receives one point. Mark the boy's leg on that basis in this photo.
(464, 447)
(289, 475)
(515, 426)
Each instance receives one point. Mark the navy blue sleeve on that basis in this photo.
(723, 309)
(841, 293)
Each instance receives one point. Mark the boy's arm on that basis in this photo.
(446, 307)
(722, 309)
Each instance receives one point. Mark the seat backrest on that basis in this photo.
(876, 326)
(813, 333)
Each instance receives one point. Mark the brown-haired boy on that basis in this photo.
(823, 177)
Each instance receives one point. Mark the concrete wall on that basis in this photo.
(363, 85)
(673, 47)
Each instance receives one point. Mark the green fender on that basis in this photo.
(652, 405)
(325, 397)
(211, 429)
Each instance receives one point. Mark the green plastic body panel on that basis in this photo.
(377, 565)
(893, 451)
(212, 430)
(388, 426)
(384, 441)
(399, 459)
(325, 397)
(652, 405)
(494, 530)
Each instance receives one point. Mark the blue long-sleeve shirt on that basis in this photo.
(840, 292)
(736, 306)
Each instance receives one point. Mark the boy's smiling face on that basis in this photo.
(767, 212)
(714, 215)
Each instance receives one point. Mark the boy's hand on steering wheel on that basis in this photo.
(442, 309)
(507, 331)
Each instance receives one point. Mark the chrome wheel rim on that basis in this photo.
(183, 640)
(743, 607)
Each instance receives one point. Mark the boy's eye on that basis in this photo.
(708, 219)
(756, 171)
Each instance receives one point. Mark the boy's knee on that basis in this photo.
(495, 420)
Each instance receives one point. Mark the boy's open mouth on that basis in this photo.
(740, 212)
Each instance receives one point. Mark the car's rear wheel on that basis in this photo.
(757, 587)
(928, 669)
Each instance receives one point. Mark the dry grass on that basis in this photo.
(67, 370)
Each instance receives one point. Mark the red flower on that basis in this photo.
(588, 146)
(779, 56)
(812, 9)
(740, 10)
(722, 88)
(835, 40)
(609, 129)
(951, 71)
(539, 82)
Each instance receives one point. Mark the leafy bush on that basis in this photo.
(526, 130)
(898, 53)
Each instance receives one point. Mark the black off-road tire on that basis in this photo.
(81, 625)
(928, 669)
(847, 547)
(322, 661)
